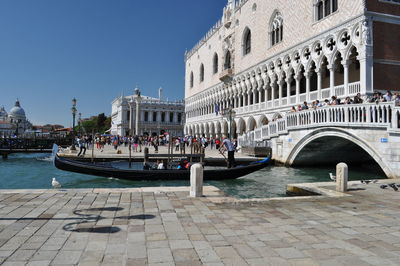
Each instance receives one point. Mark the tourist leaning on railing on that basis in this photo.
(377, 98)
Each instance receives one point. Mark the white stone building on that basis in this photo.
(14, 122)
(265, 56)
(156, 116)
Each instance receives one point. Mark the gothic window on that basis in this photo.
(201, 73)
(191, 79)
(163, 117)
(215, 64)
(146, 116)
(179, 117)
(247, 42)
(128, 115)
(227, 64)
(276, 32)
(171, 117)
(324, 8)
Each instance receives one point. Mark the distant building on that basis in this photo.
(14, 122)
(156, 116)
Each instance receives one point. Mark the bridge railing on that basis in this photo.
(23, 144)
(383, 115)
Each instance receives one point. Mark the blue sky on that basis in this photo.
(54, 50)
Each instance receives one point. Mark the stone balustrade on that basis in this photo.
(384, 116)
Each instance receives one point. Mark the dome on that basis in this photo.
(17, 111)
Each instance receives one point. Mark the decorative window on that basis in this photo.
(215, 64)
(162, 117)
(154, 116)
(276, 29)
(171, 117)
(324, 8)
(227, 64)
(247, 42)
(146, 116)
(191, 79)
(201, 73)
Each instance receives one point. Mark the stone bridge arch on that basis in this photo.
(298, 153)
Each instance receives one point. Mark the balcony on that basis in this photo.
(226, 75)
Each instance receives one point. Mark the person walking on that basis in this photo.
(81, 144)
(230, 148)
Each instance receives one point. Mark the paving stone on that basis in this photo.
(159, 255)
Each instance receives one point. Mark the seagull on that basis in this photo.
(333, 178)
(383, 186)
(366, 181)
(393, 185)
(55, 183)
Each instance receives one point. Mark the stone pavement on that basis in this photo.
(163, 226)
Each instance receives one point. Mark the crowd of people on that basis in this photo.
(139, 142)
(377, 98)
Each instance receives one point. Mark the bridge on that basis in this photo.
(359, 133)
(38, 145)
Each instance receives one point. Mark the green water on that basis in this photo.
(25, 171)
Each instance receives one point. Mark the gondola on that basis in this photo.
(108, 170)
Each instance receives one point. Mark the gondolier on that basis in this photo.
(228, 145)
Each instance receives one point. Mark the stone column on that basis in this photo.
(137, 119)
(288, 80)
(308, 75)
(331, 68)
(298, 78)
(346, 64)
(280, 92)
(273, 87)
(366, 75)
(131, 119)
(266, 92)
(319, 84)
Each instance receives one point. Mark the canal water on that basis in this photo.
(35, 171)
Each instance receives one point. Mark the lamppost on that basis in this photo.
(73, 110)
(229, 114)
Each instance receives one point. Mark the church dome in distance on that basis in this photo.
(17, 112)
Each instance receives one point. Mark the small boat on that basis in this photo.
(108, 170)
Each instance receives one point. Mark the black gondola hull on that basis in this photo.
(140, 175)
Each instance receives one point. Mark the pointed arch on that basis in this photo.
(227, 63)
(191, 79)
(246, 43)
(215, 63)
(201, 73)
(276, 28)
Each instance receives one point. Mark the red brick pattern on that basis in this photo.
(386, 41)
(386, 77)
(382, 7)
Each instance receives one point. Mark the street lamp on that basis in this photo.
(73, 110)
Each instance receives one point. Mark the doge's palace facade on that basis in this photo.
(265, 56)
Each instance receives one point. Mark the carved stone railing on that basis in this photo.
(384, 115)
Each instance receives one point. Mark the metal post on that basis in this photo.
(130, 153)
